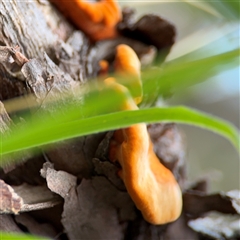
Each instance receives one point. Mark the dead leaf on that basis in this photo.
(25, 198)
(75, 157)
(59, 182)
(96, 210)
(36, 197)
(10, 201)
(69, 156)
(217, 225)
(234, 196)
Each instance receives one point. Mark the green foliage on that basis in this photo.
(13, 236)
(41, 134)
(95, 115)
(227, 9)
(178, 74)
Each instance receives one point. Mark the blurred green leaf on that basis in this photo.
(178, 75)
(14, 236)
(43, 128)
(205, 6)
(32, 136)
(228, 9)
(202, 38)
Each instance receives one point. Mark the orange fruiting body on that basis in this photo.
(151, 186)
(97, 20)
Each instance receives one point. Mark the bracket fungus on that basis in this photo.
(128, 66)
(151, 185)
(98, 20)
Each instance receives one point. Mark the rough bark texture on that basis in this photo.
(30, 30)
(42, 54)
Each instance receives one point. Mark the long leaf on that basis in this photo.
(176, 76)
(204, 6)
(230, 10)
(49, 134)
(16, 236)
(201, 39)
(173, 76)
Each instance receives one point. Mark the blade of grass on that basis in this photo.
(173, 76)
(205, 7)
(229, 9)
(201, 38)
(11, 236)
(48, 134)
(177, 76)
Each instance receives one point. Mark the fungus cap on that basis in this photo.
(98, 20)
(151, 185)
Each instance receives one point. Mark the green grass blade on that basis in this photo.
(17, 236)
(204, 6)
(48, 134)
(176, 76)
(229, 9)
